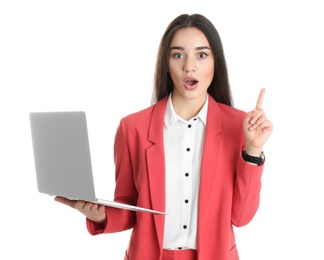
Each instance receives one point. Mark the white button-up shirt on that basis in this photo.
(183, 144)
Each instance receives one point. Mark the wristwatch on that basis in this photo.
(253, 159)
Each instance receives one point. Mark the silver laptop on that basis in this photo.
(62, 158)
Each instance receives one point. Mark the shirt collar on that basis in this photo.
(171, 117)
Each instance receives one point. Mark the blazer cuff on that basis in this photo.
(95, 228)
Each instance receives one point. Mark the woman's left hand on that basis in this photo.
(257, 128)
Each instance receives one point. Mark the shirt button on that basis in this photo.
(186, 174)
(179, 248)
(188, 149)
(184, 226)
(186, 201)
(189, 126)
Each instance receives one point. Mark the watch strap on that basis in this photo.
(253, 159)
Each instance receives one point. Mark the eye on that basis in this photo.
(178, 55)
(202, 55)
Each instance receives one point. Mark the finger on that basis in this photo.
(257, 123)
(253, 116)
(266, 125)
(64, 201)
(94, 206)
(80, 205)
(260, 99)
(101, 208)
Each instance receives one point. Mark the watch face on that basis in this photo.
(262, 158)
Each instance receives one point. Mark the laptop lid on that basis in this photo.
(62, 154)
(62, 158)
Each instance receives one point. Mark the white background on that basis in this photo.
(99, 57)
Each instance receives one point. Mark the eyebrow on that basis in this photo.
(197, 48)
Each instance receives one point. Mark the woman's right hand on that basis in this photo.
(92, 211)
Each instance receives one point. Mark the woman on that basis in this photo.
(191, 154)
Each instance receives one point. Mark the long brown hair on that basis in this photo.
(219, 88)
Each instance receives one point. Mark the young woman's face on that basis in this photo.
(191, 64)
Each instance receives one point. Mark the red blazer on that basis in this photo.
(229, 189)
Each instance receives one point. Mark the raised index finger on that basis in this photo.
(260, 99)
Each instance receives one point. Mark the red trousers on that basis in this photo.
(179, 254)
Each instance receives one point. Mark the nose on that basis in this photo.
(189, 65)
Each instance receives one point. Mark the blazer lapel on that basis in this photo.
(156, 164)
(210, 159)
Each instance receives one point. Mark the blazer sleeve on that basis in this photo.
(246, 194)
(125, 191)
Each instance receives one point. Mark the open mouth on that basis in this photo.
(191, 82)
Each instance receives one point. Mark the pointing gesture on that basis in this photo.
(260, 99)
(257, 128)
